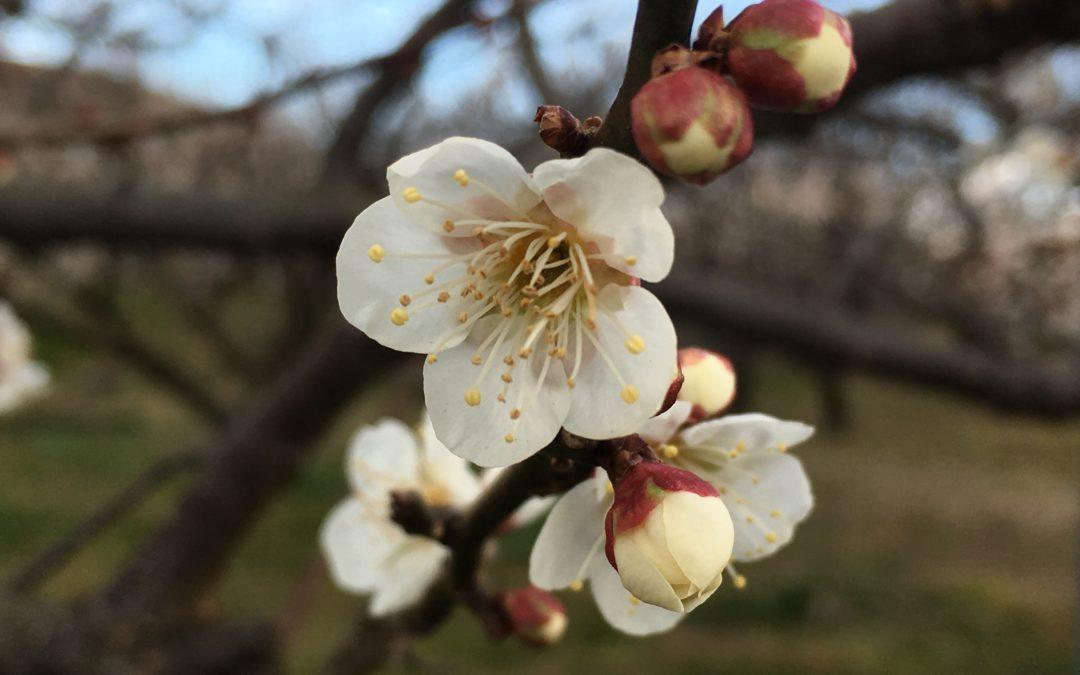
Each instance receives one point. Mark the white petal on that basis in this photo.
(410, 569)
(699, 535)
(636, 555)
(356, 545)
(572, 535)
(498, 188)
(382, 457)
(24, 382)
(447, 469)
(662, 428)
(768, 495)
(597, 408)
(618, 607)
(614, 201)
(369, 291)
(479, 432)
(754, 431)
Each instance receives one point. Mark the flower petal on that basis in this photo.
(355, 546)
(598, 409)
(637, 555)
(446, 468)
(410, 569)
(572, 535)
(368, 291)
(382, 457)
(699, 536)
(496, 187)
(618, 606)
(663, 427)
(768, 495)
(486, 433)
(751, 432)
(614, 201)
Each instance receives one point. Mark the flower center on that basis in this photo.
(538, 275)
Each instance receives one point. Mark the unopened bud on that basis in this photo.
(560, 130)
(668, 535)
(538, 618)
(708, 382)
(692, 123)
(790, 55)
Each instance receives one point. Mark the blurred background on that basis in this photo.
(902, 272)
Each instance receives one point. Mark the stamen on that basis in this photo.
(670, 451)
(736, 578)
(462, 177)
(472, 396)
(635, 344)
(411, 195)
(509, 438)
(376, 253)
(629, 393)
(576, 585)
(399, 316)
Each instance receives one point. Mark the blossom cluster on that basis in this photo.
(523, 291)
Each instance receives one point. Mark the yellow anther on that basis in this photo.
(411, 195)
(502, 398)
(399, 316)
(771, 537)
(444, 296)
(376, 253)
(448, 226)
(508, 360)
(462, 317)
(404, 300)
(576, 585)
(554, 241)
(775, 513)
(740, 446)
(525, 353)
(631, 260)
(634, 601)
(472, 396)
(432, 358)
(476, 360)
(740, 581)
(462, 177)
(559, 352)
(515, 413)
(629, 393)
(570, 382)
(734, 453)
(782, 447)
(509, 438)
(749, 519)
(429, 279)
(670, 451)
(635, 344)
(507, 378)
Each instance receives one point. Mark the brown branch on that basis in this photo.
(530, 56)
(134, 494)
(658, 23)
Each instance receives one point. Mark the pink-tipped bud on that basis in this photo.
(668, 535)
(692, 123)
(708, 382)
(538, 617)
(790, 55)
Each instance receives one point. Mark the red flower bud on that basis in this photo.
(538, 617)
(790, 55)
(692, 123)
(708, 381)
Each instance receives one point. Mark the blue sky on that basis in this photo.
(225, 62)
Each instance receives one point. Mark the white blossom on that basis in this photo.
(523, 291)
(20, 377)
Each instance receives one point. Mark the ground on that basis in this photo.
(943, 539)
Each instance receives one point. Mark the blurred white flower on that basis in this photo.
(20, 378)
(523, 289)
(744, 457)
(366, 551)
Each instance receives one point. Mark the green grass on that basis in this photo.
(942, 541)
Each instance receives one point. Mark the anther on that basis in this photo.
(509, 438)
(476, 360)
(472, 396)
(739, 581)
(634, 601)
(670, 451)
(508, 360)
(570, 382)
(429, 279)
(631, 260)
(770, 537)
(444, 296)
(462, 177)
(404, 299)
(515, 413)
(502, 398)
(576, 585)
(775, 513)
(629, 393)
(432, 358)
(411, 195)
(635, 344)
(507, 378)
(448, 226)
(462, 317)
(399, 316)
(376, 253)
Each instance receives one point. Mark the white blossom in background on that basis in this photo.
(744, 457)
(366, 551)
(522, 289)
(20, 377)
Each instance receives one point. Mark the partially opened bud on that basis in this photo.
(692, 123)
(790, 55)
(669, 536)
(708, 381)
(538, 617)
